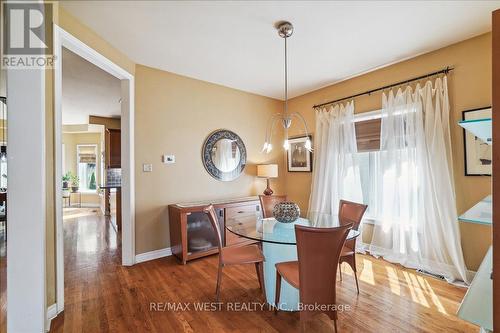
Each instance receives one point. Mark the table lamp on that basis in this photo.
(267, 171)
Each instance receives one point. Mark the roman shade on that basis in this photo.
(368, 135)
(87, 154)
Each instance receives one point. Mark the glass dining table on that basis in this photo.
(278, 245)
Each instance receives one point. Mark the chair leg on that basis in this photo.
(219, 282)
(356, 277)
(278, 290)
(335, 325)
(353, 265)
(260, 273)
(340, 270)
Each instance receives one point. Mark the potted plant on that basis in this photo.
(74, 183)
(66, 179)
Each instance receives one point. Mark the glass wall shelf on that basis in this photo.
(481, 213)
(479, 127)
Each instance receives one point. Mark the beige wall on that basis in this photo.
(70, 141)
(469, 87)
(174, 115)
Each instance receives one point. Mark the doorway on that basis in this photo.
(65, 41)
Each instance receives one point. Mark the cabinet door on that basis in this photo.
(114, 150)
(201, 236)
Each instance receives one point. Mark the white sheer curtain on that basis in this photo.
(336, 173)
(416, 223)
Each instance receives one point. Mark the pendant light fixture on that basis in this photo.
(285, 30)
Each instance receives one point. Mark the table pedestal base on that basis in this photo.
(275, 253)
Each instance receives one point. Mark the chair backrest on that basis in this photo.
(318, 251)
(351, 212)
(212, 216)
(267, 202)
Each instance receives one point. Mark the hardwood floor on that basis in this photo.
(102, 296)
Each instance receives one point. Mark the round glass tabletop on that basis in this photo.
(271, 231)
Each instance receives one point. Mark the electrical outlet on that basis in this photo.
(168, 159)
(147, 167)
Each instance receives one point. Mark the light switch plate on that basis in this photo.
(147, 167)
(168, 159)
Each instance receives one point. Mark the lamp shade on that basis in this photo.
(267, 170)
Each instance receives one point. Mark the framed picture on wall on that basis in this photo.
(478, 154)
(299, 159)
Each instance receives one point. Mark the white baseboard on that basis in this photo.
(471, 275)
(152, 255)
(51, 314)
(84, 205)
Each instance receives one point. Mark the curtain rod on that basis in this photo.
(369, 92)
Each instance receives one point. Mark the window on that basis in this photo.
(368, 127)
(87, 159)
(369, 163)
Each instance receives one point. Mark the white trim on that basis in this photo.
(26, 277)
(152, 255)
(64, 39)
(51, 314)
(128, 172)
(370, 115)
(58, 172)
(86, 205)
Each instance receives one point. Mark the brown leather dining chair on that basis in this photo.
(350, 212)
(235, 255)
(315, 270)
(268, 202)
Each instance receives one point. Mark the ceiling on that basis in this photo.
(235, 44)
(87, 90)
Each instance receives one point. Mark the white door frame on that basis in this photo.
(26, 199)
(64, 39)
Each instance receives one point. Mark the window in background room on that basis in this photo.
(87, 160)
(368, 141)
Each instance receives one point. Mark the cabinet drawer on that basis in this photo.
(232, 239)
(247, 210)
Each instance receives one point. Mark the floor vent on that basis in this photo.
(437, 276)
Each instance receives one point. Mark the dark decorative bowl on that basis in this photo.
(286, 212)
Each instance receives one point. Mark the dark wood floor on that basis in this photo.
(102, 296)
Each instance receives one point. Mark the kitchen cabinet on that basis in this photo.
(113, 148)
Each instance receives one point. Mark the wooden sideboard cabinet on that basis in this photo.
(192, 235)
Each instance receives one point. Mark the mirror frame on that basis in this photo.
(208, 163)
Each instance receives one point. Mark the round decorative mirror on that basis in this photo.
(224, 155)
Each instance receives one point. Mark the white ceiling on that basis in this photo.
(87, 90)
(235, 44)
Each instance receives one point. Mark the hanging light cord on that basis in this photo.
(286, 78)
